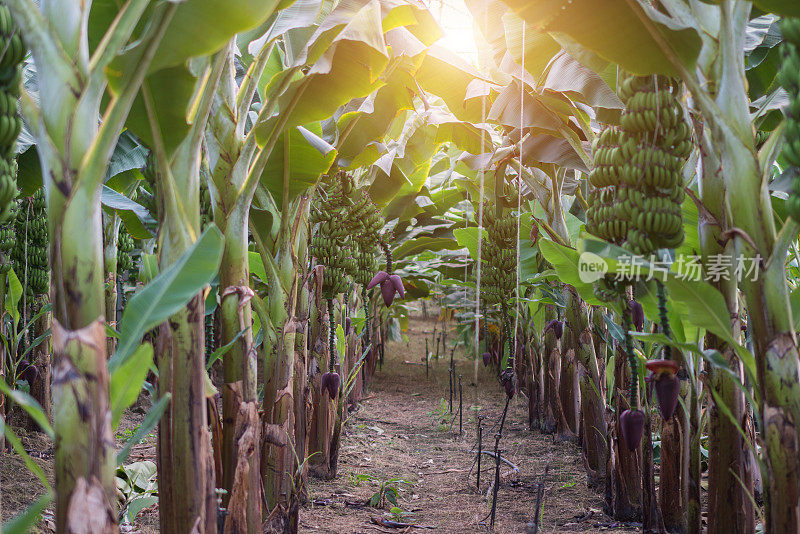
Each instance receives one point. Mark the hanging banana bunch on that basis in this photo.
(789, 78)
(330, 247)
(329, 242)
(499, 269)
(636, 200)
(13, 52)
(125, 246)
(366, 221)
(654, 148)
(638, 174)
(499, 256)
(30, 253)
(8, 233)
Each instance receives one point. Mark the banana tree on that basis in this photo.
(237, 161)
(72, 54)
(72, 85)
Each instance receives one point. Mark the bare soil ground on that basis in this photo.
(399, 432)
(396, 433)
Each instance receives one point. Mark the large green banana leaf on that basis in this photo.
(614, 30)
(168, 292)
(303, 155)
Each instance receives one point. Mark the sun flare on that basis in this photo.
(456, 22)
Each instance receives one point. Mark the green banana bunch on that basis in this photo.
(332, 243)
(206, 208)
(125, 246)
(8, 234)
(607, 154)
(499, 255)
(30, 255)
(638, 171)
(12, 52)
(789, 78)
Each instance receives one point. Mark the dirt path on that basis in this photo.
(397, 434)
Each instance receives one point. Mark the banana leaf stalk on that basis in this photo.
(75, 148)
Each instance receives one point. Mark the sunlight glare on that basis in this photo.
(456, 22)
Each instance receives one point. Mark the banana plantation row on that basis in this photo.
(216, 205)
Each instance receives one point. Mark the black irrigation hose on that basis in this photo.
(496, 487)
(480, 452)
(460, 410)
(450, 381)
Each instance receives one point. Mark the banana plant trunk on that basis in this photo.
(568, 395)
(302, 390)
(551, 370)
(323, 405)
(4, 269)
(694, 517)
(84, 443)
(651, 516)
(673, 490)
(187, 453)
(74, 149)
(599, 335)
(281, 465)
(626, 477)
(730, 472)
(302, 387)
(757, 240)
(353, 352)
(2, 449)
(186, 474)
(329, 420)
(593, 407)
(534, 384)
(241, 460)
